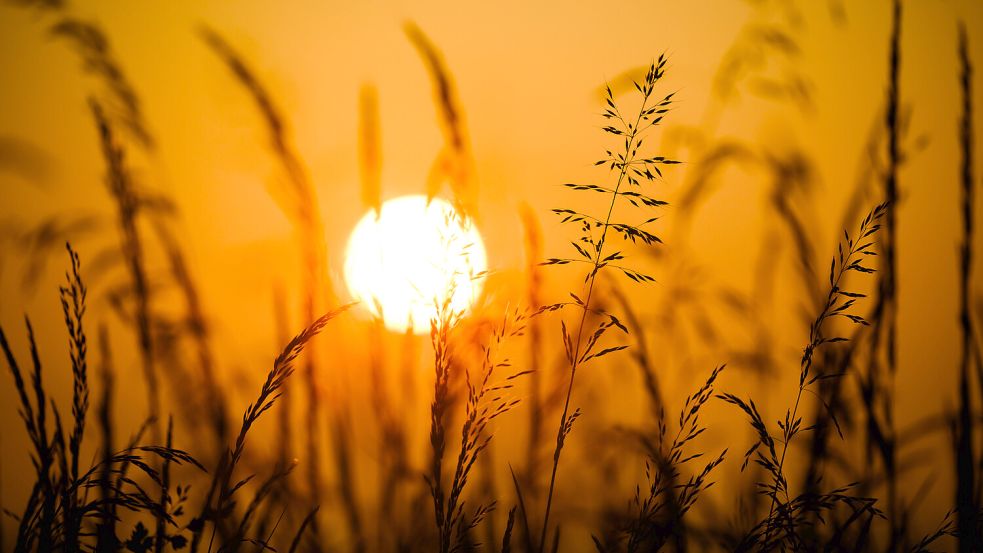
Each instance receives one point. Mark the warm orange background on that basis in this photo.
(528, 76)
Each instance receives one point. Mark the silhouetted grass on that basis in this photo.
(299, 202)
(659, 514)
(781, 526)
(138, 498)
(486, 399)
(120, 186)
(967, 487)
(220, 502)
(58, 508)
(632, 170)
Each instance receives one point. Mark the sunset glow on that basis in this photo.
(409, 257)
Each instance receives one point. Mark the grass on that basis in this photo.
(967, 475)
(631, 170)
(191, 477)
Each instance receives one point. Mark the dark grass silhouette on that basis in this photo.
(967, 470)
(631, 171)
(58, 508)
(121, 188)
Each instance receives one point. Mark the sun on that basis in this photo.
(400, 263)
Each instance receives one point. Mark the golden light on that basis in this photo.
(412, 256)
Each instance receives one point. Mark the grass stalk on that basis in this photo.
(967, 506)
(121, 188)
(299, 203)
(627, 165)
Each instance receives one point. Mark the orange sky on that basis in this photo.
(527, 75)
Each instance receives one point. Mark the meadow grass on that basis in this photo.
(223, 496)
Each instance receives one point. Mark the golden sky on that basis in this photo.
(528, 76)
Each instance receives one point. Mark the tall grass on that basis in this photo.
(220, 501)
(631, 171)
(487, 398)
(120, 185)
(59, 508)
(151, 495)
(967, 486)
(659, 514)
(298, 200)
(787, 512)
(120, 116)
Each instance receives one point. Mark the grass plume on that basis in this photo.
(219, 503)
(631, 170)
(779, 528)
(487, 399)
(121, 188)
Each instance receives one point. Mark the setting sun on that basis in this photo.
(409, 257)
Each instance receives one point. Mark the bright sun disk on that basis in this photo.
(411, 256)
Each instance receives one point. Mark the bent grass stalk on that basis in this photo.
(222, 488)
